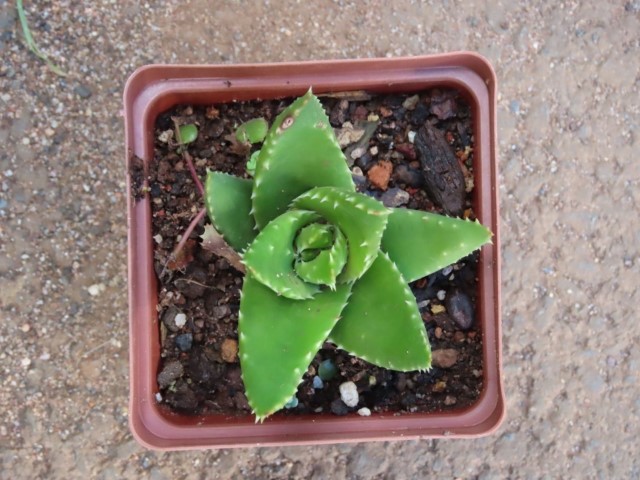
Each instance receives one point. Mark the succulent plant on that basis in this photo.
(324, 262)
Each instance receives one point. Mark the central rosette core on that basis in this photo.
(320, 253)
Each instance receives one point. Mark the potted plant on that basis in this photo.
(323, 261)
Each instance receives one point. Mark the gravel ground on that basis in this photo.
(568, 116)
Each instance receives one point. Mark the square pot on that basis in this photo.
(157, 88)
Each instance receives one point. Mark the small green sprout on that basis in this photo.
(324, 262)
(253, 161)
(188, 133)
(252, 131)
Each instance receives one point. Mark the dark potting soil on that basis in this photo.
(199, 371)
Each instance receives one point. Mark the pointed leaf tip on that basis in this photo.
(421, 243)
(381, 322)
(296, 329)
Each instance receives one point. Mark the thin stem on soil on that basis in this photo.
(183, 240)
(187, 158)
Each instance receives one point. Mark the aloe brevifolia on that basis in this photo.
(324, 262)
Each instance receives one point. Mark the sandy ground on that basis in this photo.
(568, 116)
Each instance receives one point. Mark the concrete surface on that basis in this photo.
(568, 113)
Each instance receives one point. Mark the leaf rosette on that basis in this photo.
(324, 262)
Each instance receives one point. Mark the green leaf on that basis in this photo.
(228, 202)
(252, 131)
(299, 153)
(381, 323)
(188, 133)
(315, 235)
(323, 268)
(361, 219)
(278, 340)
(421, 243)
(270, 258)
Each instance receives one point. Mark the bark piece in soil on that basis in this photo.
(444, 180)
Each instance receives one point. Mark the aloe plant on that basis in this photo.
(324, 262)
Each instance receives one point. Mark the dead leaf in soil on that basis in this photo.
(239, 148)
(212, 241)
(183, 258)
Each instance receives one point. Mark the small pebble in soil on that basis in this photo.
(420, 114)
(348, 134)
(184, 342)
(364, 412)
(380, 174)
(407, 175)
(411, 102)
(365, 161)
(460, 309)
(229, 350)
(318, 383)
(327, 370)
(441, 295)
(436, 309)
(423, 304)
(168, 318)
(358, 178)
(411, 136)
(450, 400)
(394, 197)
(444, 358)
(165, 136)
(158, 397)
(447, 270)
(357, 152)
(293, 403)
(459, 337)
(219, 312)
(171, 372)
(349, 394)
(338, 407)
(180, 320)
(439, 386)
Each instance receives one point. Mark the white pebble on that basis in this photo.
(441, 295)
(373, 150)
(158, 397)
(96, 289)
(411, 136)
(364, 412)
(158, 238)
(358, 152)
(423, 304)
(349, 394)
(25, 362)
(165, 136)
(180, 320)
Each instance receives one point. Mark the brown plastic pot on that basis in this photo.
(156, 88)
